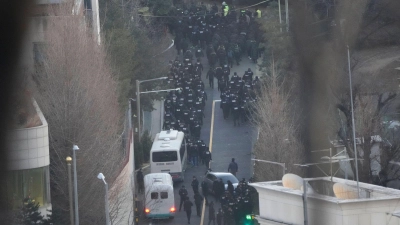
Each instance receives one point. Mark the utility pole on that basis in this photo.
(287, 15)
(138, 105)
(71, 202)
(133, 160)
(305, 202)
(74, 149)
(280, 14)
(352, 121)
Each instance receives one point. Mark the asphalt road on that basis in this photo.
(227, 142)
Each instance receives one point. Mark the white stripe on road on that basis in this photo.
(165, 49)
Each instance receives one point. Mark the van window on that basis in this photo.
(164, 195)
(167, 156)
(154, 195)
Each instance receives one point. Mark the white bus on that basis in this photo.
(159, 196)
(168, 154)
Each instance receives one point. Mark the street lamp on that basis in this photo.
(280, 14)
(132, 157)
(283, 165)
(138, 82)
(102, 177)
(352, 121)
(71, 208)
(74, 149)
(287, 15)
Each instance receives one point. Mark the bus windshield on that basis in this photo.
(167, 156)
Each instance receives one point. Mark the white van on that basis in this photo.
(159, 196)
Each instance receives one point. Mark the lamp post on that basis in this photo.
(133, 182)
(283, 165)
(138, 82)
(102, 177)
(71, 207)
(287, 15)
(352, 121)
(74, 149)
(280, 14)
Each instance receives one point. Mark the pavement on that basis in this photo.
(228, 142)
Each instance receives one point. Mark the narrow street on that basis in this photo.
(228, 142)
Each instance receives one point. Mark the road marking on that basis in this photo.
(172, 44)
(210, 147)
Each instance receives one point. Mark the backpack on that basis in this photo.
(230, 54)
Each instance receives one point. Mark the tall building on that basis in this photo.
(29, 159)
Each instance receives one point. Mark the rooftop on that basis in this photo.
(322, 188)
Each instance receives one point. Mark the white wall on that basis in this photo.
(286, 206)
(29, 147)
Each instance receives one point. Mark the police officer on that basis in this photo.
(228, 217)
(195, 184)
(226, 72)
(220, 215)
(212, 60)
(221, 84)
(225, 104)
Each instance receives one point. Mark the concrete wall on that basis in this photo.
(29, 147)
(280, 205)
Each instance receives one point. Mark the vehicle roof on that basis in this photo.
(167, 140)
(157, 179)
(220, 173)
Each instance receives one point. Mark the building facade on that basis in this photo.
(28, 165)
(28, 173)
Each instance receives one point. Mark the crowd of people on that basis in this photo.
(236, 203)
(226, 36)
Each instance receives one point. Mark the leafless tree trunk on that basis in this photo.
(276, 115)
(78, 94)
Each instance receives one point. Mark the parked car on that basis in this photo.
(212, 176)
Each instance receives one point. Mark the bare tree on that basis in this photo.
(276, 115)
(78, 94)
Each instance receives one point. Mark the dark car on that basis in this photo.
(212, 176)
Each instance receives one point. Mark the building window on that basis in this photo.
(32, 183)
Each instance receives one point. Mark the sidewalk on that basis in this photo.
(152, 121)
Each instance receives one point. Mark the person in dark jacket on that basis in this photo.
(204, 188)
(183, 193)
(195, 184)
(187, 206)
(216, 191)
(198, 199)
(210, 75)
(233, 167)
(211, 213)
(220, 215)
(140, 181)
(230, 187)
(221, 188)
